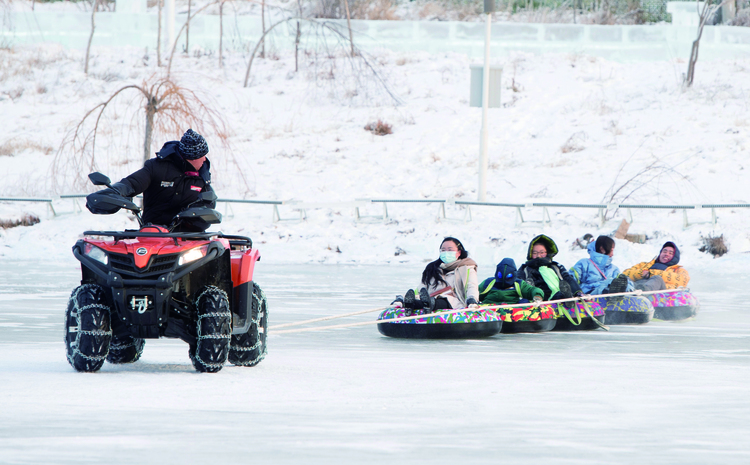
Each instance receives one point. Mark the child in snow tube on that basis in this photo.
(506, 288)
(596, 273)
(542, 272)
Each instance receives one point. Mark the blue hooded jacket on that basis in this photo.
(592, 281)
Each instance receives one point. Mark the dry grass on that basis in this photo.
(451, 10)
(379, 128)
(27, 220)
(715, 245)
(12, 147)
(574, 143)
(742, 18)
(375, 10)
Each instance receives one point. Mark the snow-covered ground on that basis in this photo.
(572, 129)
(661, 393)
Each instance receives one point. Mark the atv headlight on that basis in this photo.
(192, 255)
(95, 253)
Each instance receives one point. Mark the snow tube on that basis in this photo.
(528, 319)
(459, 325)
(577, 318)
(679, 305)
(629, 310)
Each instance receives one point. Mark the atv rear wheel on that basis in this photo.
(87, 328)
(214, 329)
(250, 348)
(125, 348)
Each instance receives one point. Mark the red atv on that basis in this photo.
(152, 282)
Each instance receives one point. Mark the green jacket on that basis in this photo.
(521, 289)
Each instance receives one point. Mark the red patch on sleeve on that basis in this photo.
(195, 188)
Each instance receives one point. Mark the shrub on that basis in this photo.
(714, 245)
(27, 220)
(379, 128)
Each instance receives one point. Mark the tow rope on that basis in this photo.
(587, 310)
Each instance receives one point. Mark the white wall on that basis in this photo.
(623, 43)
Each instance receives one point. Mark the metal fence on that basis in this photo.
(301, 208)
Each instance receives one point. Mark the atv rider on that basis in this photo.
(170, 183)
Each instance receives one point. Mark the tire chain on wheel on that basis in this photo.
(250, 349)
(125, 348)
(97, 332)
(212, 347)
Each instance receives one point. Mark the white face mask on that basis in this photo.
(449, 256)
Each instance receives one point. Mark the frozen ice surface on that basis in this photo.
(658, 393)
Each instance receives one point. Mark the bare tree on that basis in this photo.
(91, 36)
(708, 12)
(187, 29)
(168, 109)
(258, 45)
(263, 25)
(349, 25)
(650, 178)
(184, 27)
(361, 69)
(221, 34)
(297, 37)
(158, 35)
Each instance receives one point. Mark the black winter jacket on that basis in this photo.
(169, 185)
(529, 272)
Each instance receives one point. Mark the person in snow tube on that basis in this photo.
(596, 273)
(541, 271)
(169, 183)
(663, 272)
(448, 282)
(506, 288)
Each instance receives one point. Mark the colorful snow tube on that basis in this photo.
(577, 318)
(629, 310)
(466, 324)
(679, 305)
(528, 319)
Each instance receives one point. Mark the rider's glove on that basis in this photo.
(124, 189)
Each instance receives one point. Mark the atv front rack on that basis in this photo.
(200, 236)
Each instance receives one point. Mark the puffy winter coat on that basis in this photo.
(596, 272)
(169, 184)
(674, 276)
(461, 283)
(518, 290)
(530, 271)
(505, 287)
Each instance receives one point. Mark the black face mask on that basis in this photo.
(537, 262)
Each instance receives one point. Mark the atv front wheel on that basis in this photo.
(249, 349)
(87, 328)
(125, 348)
(214, 330)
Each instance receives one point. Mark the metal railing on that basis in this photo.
(31, 199)
(302, 207)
